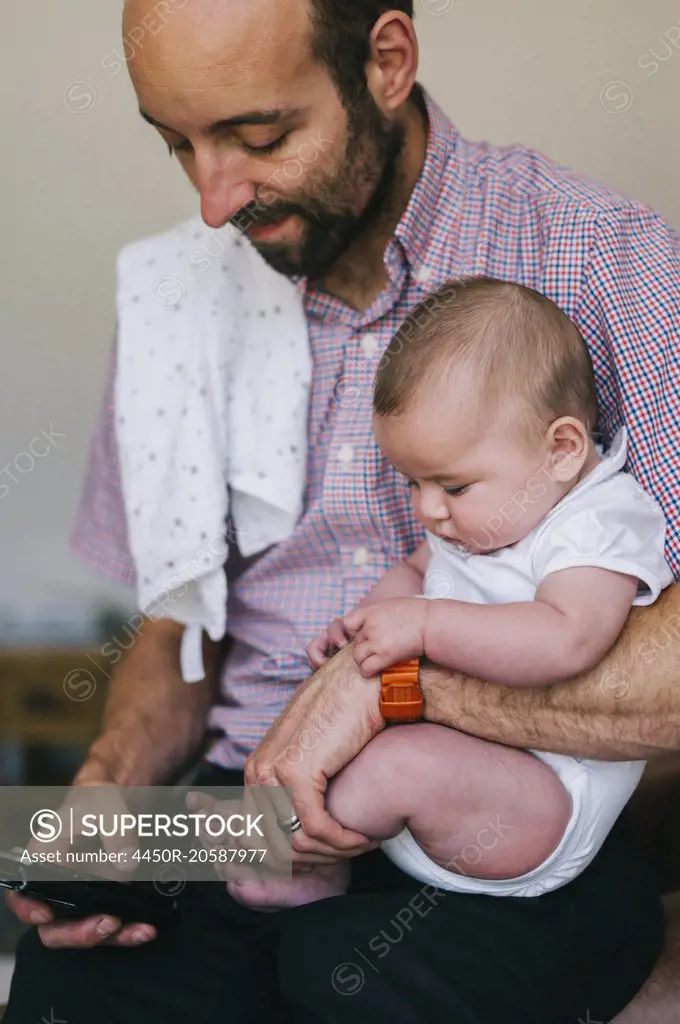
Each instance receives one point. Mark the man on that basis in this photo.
(394, 204)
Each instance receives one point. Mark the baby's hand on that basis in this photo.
(387, 632)
(322, 647)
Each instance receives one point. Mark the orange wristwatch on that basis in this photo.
(401, 699)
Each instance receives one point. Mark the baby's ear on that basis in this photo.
(569, 447)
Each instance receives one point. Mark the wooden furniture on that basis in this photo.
(50, 698)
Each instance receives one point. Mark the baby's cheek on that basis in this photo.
(473, 515)
(507, 522)
(481, 523)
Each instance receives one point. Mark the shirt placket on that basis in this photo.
(350, 467)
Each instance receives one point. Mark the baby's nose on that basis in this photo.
(433, 505)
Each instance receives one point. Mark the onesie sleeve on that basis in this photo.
(622, 528)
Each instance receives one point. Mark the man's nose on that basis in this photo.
(223, 188)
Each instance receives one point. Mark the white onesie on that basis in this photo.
(609, 521)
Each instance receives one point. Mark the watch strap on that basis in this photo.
(401, 698)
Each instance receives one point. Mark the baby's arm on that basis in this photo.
(570, 625)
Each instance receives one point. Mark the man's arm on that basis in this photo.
(153, 720)
(629, 316)
(626, 708)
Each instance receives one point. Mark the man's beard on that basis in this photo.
(332, 222)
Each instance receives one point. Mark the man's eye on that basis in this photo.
(180, 147)
(457, 491)
(270, 147)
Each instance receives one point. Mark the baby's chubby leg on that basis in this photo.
(456, 794)
(475, 808)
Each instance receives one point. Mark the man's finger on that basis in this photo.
(306, 850)
(363, 648)
(304, 845)
(259, 770)
(318, 824)
(325, 859)
(85, 934)
(372, 665)
(133, 935)
(28, 911)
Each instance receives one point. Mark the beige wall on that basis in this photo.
(80, 175)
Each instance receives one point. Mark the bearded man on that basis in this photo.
(393, 204)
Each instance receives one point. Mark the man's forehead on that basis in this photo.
(202, 61)
(214, 12)
(214, 37)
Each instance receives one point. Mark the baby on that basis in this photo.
(537, 545)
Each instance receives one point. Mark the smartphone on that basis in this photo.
(75, 895)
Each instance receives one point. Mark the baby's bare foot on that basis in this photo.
(276, 894)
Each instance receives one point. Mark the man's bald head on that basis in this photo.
(339, 30)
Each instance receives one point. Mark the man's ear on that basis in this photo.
(393, 65)
(569, 447)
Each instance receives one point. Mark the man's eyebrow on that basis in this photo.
(254, 117)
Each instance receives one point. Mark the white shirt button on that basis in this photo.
(369, 344)
(361, 556)
(423, 274)
(346, 455)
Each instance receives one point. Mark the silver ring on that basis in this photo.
(289, 825)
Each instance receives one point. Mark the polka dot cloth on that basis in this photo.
(211, 404)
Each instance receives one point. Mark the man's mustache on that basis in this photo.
(253, 215)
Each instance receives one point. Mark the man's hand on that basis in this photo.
(387, 632)
(90, 931)
(331, 718)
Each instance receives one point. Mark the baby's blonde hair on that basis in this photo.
(525, 355)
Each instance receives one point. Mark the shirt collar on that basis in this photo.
(416, 227)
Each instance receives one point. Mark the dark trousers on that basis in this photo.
(390, 949)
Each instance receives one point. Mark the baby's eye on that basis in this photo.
(411, 484)
(455, 492)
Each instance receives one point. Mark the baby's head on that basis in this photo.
(485, 400)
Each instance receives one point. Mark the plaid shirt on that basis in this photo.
(508, 213)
